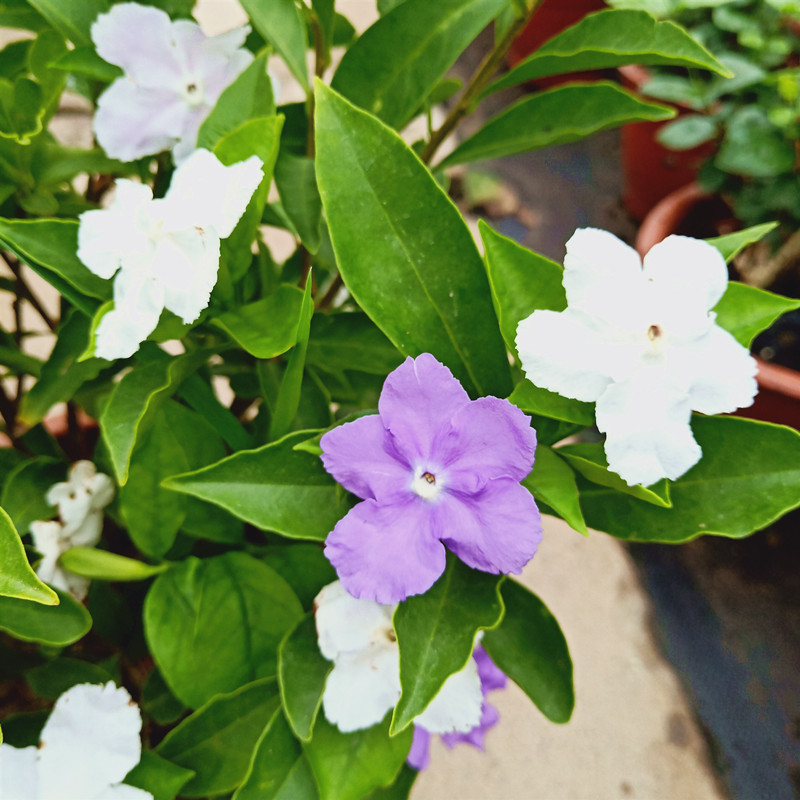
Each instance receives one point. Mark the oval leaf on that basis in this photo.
(105, 566)
(54, 625)
(17, 579)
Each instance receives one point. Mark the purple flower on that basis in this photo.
(491, 678)
(433, 468)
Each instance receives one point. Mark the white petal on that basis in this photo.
(186, 263)
(138, 303)
(361, 689)
(646, 422)
(87, 533)
(346, 625)
(204, 192)
(457, 707)
(133, 121)
(18, 773)
(603, 276)
(720, 372)
(565, 353)
(89, 742)
(226, 44)
(187, 141)
(121, 791)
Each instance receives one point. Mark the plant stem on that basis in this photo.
(477, 84)
(786, 259)
(331, 292)
(26, 292)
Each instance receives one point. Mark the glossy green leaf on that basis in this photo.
(396, 63)
(384, 208)
(348, 766)
(154, 774)
(275, 488)
(17, 579)
(216, 741)
(53, 625)
(215, 624)
(558, 116)
(19, 362)
(200, 396)
(102, 565)
(535, 400)
(85, 61)
(436, 634)
(24, 491)
(749, 476)
(134, 401)
(731, 244)
(303, 566)
(51, 679)
(268, 327)
(745, 311)
(553, 482)
(280, 23)
(530, 648)
(296, 181)
(302, 671)
(278, 770)
(73, 18)
(687, 132)
(613, 38)
(21, 109)
(399, 789)
(158, 701)
(590, 461)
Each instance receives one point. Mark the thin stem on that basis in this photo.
(26, 292)
(763, 275)
(476, 85)
(331, 292)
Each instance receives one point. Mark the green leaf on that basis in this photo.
(62, 374)
(51, 679)
(745, 311)
(612, 38)
(85, 61)
(200, 396)
(268, 327)
(280, 23)
(249, 96)
(384, 208)
(52, 625)
(296, 181)
(302, 671)
(732, 244)
(530, 648)
(590, 461)
(436, 634)
(275, 488)
(134, 401)
(158, 701)
(560, 115)
(25, 488)
(348, 766)
(521, 282)
(17, 579)
(553, 482)
(289, 394)
(105, 566)
(21, 109)
(278, 769)
(19, 362)
(400, 789)
(160, 777)
(303, 566)
(72, 18)
(535, 400)
(398, 61)
(748, 477)
(687, 132)
(753, 147)
(216, 741)
(214, 625)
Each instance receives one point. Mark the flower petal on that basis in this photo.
(362, 688)
(564, 352)
(417, 402)
(492, 677)
(457, 707)
(121, 791)
(347, 625)
(602, 275)
(489, 438)
(490, 716)
(362, 457)
(204, 192)
(89, 742)
(419, 756)
(646, 422)
(18, 773)
(386, 553)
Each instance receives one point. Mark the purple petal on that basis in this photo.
(419, 756)
(490, 716)
(418, 400)
(492, 677)
(496, 530)
(489, 438)
(360, 455)
(386, 552)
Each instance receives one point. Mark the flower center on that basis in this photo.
(193, 93)
(425, 485)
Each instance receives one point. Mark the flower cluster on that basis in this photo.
(80, 501)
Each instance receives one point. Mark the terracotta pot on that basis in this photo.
(651, 171)
(778, 398)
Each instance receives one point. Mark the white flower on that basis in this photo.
(166, 250)
(643, 344)
(174, 75)
(89, 743)
(357, 635)
(80, 500)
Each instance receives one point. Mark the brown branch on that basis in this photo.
(764, 274)
(26, 292)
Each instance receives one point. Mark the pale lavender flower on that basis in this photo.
(491, 678)
(434, 469)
